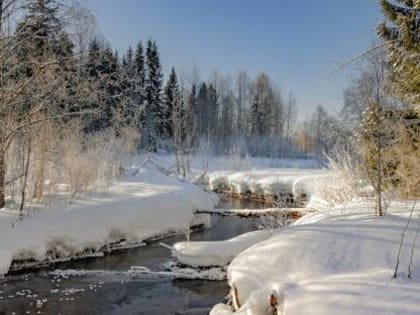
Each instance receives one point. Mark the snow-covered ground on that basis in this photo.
(198, 163)
(138, 207)
(133, 209)
(340, 260)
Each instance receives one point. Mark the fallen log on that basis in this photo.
(285, 212)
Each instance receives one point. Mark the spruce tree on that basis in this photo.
(403, 39)
(140, 65)
(39, 30)
(191, 117)
(139, 87)
(42, 40)
(154, 111)
(171, 114)
(212, 109)
(202, 110)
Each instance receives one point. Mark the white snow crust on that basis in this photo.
(216, 253)
(136, 208)
(332, 263)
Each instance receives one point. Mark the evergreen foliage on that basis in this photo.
(403, 39)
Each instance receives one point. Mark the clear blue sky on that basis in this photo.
(297, 42)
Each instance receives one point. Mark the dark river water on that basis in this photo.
(109, 289)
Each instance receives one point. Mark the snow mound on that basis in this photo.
(147, 205)
(216, 253)
(301, 183)
(319, 268)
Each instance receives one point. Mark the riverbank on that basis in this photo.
(139, 207)
(342, 259)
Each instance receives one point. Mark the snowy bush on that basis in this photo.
(51, 160)
(344, 182)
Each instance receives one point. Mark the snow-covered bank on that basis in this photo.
(216, 253)
(269, 183)
(343, 264)
(138, 207)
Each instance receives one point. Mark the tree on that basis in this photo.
(190, 118)
(290, 116)
(403, 43)
(202, 112)
(242, 101)
(171, 114)
(154, 112)
(40, 85)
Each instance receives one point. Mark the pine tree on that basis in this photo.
(403, 39)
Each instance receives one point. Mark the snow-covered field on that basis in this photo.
(136, 208)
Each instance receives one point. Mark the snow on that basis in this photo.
(331, 261)
(250, 175)
(140, 207)
(141, 272)
(297, 182)
(199, 163)
(216, 253)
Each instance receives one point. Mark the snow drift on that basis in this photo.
(216, 253)
(319, 268)
(137, 208)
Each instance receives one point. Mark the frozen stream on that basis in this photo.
(111, 291)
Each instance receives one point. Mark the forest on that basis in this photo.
(106, 151)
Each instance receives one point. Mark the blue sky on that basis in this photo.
(297, 42)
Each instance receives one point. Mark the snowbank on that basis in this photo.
(323, 267)
(139, 207)
(216, 253)
(301, 183)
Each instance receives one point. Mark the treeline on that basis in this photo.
(186, 114)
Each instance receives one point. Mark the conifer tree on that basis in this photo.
(139, 65)
(403, 39)
(201, 110)
(153, 103)
(212, 109)
(172, 111)
(139, 86)
(190, 117)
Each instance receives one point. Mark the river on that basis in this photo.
(107, 288)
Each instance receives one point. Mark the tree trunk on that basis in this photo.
(2, 179)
